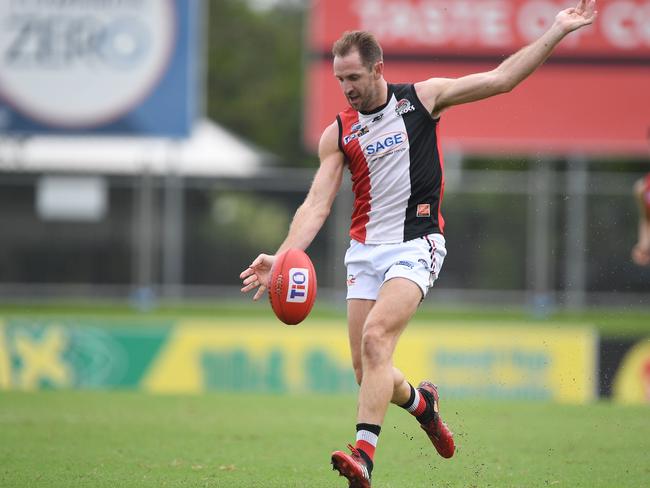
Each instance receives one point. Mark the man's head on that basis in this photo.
(359, 67)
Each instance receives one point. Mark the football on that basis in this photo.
(292, 288)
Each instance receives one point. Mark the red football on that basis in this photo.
(292, 288)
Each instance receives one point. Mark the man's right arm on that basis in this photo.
(310, 216)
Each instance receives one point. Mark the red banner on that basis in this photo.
(592, 96)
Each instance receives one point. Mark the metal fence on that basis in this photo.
(549, 234)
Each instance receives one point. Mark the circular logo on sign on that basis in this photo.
(81, 64)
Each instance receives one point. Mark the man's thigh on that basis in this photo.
(397, 302)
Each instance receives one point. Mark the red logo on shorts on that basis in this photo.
(424, 210)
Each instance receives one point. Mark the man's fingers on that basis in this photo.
(251, 268)
(587, 9)
(260, 292)
(251, 284)
(591, 10)
(251, 279)
(246, 273)
(258, 261)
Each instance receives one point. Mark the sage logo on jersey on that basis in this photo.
(403, 107)
(385, 144)
(298, 285)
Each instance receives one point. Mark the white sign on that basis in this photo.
(71, 198)
(82, 63)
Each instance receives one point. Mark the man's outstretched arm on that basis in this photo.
(310, 216)
(437, 94)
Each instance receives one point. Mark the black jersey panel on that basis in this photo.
(422, 212)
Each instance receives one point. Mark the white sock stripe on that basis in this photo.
(369, 437)
(416, 402)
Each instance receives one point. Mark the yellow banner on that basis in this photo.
(632, 381)
(5, 360)
(514, 362)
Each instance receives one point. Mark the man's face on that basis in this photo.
(359, 84)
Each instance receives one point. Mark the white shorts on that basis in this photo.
(369, 266)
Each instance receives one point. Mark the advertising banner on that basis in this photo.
(590, 97)
(52, 354)
(625, 369)
(516, 362)
(127, 67)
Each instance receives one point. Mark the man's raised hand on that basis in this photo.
(582, 14)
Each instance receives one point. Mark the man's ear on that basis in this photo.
(378, 70)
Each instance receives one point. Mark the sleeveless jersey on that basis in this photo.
(396, 166)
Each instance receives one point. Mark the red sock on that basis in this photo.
(416, 404)
(367, 437)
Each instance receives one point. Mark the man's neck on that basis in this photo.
(382, 96)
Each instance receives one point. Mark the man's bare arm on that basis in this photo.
(437, 94)
(310, 216)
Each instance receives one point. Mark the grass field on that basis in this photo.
(126, 439)
(116, 439)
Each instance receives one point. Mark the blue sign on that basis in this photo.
(112, 67)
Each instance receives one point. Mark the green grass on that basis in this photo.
(128, 439)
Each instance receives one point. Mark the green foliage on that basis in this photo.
(244, 218)
(255, 75)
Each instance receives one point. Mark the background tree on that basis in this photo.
(255, 74)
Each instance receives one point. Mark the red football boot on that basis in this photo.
(353, 467)
(440, 435)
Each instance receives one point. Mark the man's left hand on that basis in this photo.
(573, 18)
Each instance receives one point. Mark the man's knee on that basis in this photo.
(375, 345)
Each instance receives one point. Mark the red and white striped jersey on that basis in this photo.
(396, 165)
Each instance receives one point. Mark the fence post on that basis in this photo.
(540, 230)
(143, 295)
(576, 232)
(173, 233)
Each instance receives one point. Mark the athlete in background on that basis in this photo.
(388, 140)
(641, 251)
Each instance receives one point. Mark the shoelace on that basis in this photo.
(355, 451)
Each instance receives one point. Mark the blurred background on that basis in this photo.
(149, 150)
